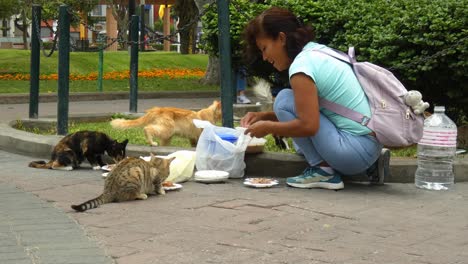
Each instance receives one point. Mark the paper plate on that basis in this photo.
(174, 187)
(211, 176)
(108, 167)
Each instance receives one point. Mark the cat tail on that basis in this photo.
(93, 203)
(40, 164)
(128, 123)
(262, 90)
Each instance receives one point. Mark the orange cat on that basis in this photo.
(165, 122)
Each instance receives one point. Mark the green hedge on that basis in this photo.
(423, 42)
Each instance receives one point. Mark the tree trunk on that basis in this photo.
(119, 11)
(25, 30)
(187, 11)
(212, 72)
(212, 69)
(5, 27)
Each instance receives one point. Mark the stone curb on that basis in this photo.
(270, 164)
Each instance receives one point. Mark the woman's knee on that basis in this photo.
(284, 101)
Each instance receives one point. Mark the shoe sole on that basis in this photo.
(323, 185)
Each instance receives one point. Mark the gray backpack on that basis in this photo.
(394, 123)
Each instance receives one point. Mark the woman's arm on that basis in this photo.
(307, 122)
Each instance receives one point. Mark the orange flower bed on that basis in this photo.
(115, 75)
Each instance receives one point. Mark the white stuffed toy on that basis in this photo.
(414, 99)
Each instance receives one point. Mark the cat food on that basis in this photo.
(108, 167)
(168, 184)
(260, 180)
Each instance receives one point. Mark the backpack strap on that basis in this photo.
(349, 58)
(344, 111)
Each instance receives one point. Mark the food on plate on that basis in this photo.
(260, 180)
(111, 166)
(168, 184)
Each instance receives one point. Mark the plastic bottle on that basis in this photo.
(436, 152)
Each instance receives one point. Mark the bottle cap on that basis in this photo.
(439, 108)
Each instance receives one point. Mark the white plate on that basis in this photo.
(210, 175)
(209, 180)
(172, 188)
(107, 167)
(249, 183)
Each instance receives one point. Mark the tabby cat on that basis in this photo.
(165, 122)
(131, 179)
(71, 151)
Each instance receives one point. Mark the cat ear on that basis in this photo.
(125, 142)
(170, 160)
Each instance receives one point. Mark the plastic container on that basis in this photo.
(436, 152)
(228, 137)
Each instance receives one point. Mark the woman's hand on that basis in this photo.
(258, 124)
(259, 129)
(250, 118)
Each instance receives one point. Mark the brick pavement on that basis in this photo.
(34, 231)
(230, 223)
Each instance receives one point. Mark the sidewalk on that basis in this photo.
(226, 223)
(219, 223)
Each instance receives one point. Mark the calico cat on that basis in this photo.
(165, 122)
(131, 179)
(71, 151)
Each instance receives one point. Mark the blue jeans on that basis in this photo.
(347, 153)
(241, 81)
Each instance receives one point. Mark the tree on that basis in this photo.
(7, 9)
(49, 11)
(212, 70)
(187, 12)
(120, 11)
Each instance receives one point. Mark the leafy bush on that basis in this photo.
(423, 42)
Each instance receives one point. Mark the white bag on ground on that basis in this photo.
(182, 167)
(214, 153)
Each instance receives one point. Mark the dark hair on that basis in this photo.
(269, 24)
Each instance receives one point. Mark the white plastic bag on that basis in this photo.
(214, 153)
(182, 167)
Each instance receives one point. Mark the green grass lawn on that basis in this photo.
(18, 61)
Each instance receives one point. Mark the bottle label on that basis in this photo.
(440, 138)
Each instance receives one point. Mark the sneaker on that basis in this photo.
(242, 99)
(380, 169)
(315, 177)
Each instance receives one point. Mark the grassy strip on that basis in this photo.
(137, 137)
(134, 135)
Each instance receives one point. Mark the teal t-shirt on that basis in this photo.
(336, 82)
